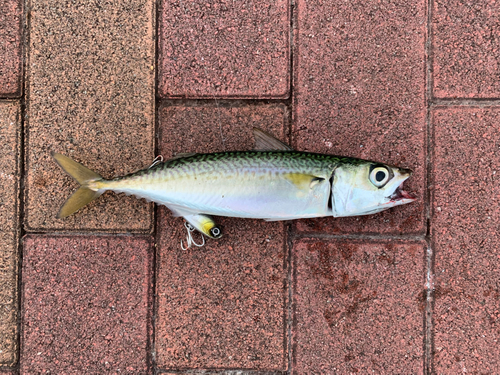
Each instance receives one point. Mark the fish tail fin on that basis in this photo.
(84, 195)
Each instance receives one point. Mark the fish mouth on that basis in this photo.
(401, 196)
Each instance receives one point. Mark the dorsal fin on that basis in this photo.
(266, 142)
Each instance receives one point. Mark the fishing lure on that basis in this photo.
(274, 182)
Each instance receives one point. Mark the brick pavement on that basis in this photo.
(108, 290)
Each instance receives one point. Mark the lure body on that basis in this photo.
(277, 183)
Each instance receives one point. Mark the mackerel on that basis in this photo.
(273, 183)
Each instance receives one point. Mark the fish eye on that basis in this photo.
(380, 175)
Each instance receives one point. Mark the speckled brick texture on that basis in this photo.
(10, 48)
(412, 83)
(224, 49)
(225, 372)
(358, 307)
(217, 127)
(86, 305)
(360, 91)
(10, 126)
(466, 48)
(465, 238)
(222, 305)
(90, 95)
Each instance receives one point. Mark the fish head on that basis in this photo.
(364, 187)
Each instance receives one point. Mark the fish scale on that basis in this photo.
(235, 184)
(233, 162)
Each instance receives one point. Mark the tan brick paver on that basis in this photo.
(90, 95)
(10, 149)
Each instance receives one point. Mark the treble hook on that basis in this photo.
(189, 238)
(158, 159)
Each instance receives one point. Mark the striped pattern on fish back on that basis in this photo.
(229, 162)
(226, 163)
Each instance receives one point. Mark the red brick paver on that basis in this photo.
(465, 221)
(90, 96)
(112, 83)
(359, 89)
(10, 48)
(86, 305)
(466, 39)
(217, 127)
(358, 307)
(10, 149)
(224, 49)
(224, 305)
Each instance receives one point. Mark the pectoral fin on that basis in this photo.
(303, 181)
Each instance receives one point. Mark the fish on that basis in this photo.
(271, 182)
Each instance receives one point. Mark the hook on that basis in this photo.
(190, 239)
(158, 159)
